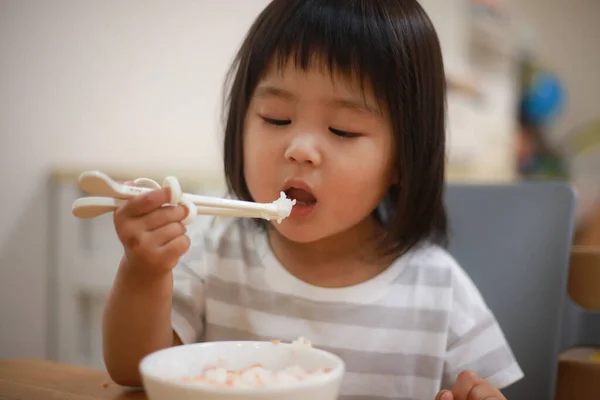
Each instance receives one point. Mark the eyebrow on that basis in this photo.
(264, 91)
(272, 91)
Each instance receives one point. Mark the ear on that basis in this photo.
(394, 179)
(394, 174)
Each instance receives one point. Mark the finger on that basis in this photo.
(172, 251)
(444, 395)
(163, 235)
(162, 247)
(145, 203)
(484, 391)
(130, 231)
(164, 216)
(465, 381)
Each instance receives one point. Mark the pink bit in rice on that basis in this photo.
(257, 375)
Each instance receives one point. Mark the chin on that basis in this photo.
(297, 233)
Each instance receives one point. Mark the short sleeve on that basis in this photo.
(189, 279)
(475, 340)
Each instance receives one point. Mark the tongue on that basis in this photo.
(301, 196)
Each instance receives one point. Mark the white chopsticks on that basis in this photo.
(108, 195)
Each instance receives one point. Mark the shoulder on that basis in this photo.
(439, 262)
(434, 256)
(433, 266)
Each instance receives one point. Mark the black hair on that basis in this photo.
(390, 44)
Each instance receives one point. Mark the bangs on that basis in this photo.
(333, 35)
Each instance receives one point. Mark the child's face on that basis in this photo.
(295, 135)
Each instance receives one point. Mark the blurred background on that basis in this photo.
(134, 88)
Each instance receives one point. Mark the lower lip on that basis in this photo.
(301, 210)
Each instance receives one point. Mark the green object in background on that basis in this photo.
(542, 165)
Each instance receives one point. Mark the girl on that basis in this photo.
(340, 104)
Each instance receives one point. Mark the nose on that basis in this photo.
(303, 149)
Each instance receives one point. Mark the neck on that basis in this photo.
(337, 261)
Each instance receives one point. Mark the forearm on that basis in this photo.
(137, 321)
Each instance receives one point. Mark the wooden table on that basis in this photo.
(22, 379)
(25, 379)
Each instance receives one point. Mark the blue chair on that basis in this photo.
(514, 241)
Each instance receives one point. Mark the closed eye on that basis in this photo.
(276, 122)
(342, 133)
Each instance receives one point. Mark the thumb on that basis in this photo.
(145, 203)
(444, 395)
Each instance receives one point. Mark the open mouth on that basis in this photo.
(303, 197)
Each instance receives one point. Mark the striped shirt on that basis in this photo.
(403, 335)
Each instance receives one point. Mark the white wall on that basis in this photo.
(99, 83)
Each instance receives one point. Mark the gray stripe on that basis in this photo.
(425, 276)
(367, 315)
(491, 363)
(472, 334)
(452, 337)
(183, 272)
(223, 249)
(356, 361)
(488, 364)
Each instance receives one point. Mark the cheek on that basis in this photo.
(258, 164)
(361, 185)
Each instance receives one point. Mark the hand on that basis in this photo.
(153, 236)
(469, 386)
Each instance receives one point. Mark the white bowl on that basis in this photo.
(163, 371)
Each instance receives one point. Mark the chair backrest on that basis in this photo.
(514, 241)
